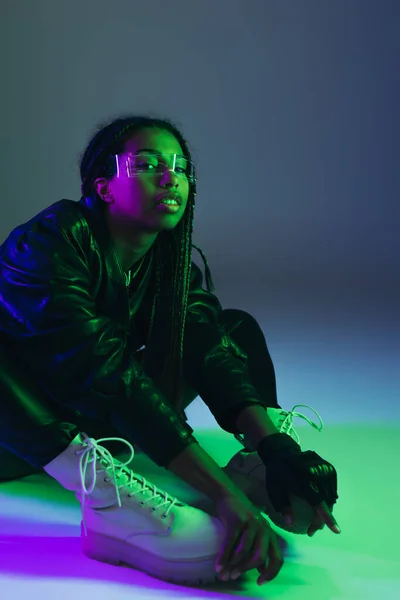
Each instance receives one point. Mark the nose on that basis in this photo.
(169, 178)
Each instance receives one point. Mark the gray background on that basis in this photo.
(291, 110)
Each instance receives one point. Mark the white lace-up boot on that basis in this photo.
(126, 519)
(246, 468)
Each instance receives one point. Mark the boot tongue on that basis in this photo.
(125, 477)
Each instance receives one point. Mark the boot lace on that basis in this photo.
(95, 458)
(284, 422)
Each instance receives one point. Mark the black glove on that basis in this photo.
(289, 471)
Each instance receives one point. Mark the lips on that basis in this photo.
(169, 196)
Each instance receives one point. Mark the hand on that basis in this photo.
(322, 516)
(250, 541)
(304, 474)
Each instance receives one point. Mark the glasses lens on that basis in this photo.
(135, 165)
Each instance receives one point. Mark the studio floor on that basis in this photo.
(40, 555)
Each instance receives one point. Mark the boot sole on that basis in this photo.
(200, 571)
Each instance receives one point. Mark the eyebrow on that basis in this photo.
(156, 152)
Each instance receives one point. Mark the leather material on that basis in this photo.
(27, 417)
(75, 327)
(66, 314)
(289, 471)
(217, 368)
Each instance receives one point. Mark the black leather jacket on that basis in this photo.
(67, 314)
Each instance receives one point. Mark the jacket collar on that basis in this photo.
(93, 209)
(94, 212)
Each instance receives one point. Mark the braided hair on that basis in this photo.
(174, 246)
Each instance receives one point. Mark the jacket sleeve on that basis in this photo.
(80, 357)
(213, 363)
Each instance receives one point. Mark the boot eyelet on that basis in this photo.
(153, 509)
(141, 503)
(164, 516)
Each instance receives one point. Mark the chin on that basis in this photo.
(169, 224)
(170, 227)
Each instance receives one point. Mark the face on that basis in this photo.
(136, 199)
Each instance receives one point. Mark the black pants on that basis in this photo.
(30, 428)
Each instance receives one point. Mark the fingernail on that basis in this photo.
(337, 529)
(235, 575)
(288, 520)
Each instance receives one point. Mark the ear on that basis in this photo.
(102, 188)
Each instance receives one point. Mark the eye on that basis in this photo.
(144, 166)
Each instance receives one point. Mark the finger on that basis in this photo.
(288, 515)
(275, 561)
(316, 524)
(228, 548)
(240, 556)
(255, 556)
(326, 515)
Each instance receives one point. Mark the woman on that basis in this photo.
(106, 330)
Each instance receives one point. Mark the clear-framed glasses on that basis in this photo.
(146, 164)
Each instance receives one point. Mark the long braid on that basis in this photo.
(105, 139)
(172, 376)
(97, 162)
(157, 292)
